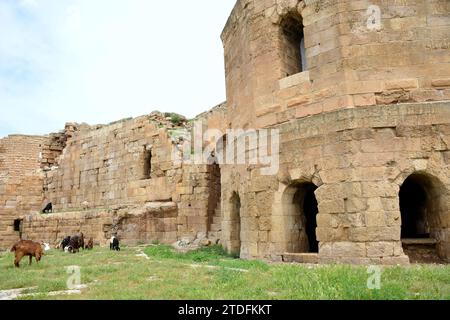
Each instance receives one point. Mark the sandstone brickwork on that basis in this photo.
(21, 181)
(364, 115)
(153, 222)
(358, 159)
(95, 175)
(349, 65)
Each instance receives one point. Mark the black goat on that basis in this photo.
(114, 244)
(65, 243)
(48, 208)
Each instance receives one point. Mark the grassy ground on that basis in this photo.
(211, 274)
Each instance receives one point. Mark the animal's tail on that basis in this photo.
(13, 248)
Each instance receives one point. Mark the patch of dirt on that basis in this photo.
(154, 278)
(422, 254)
(142, 254)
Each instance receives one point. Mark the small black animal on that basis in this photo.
(48, 208)
(65, 243)
(114, 244)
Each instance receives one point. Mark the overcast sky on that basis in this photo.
(98, 61)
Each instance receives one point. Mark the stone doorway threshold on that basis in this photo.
(421, 250)
(307, 258)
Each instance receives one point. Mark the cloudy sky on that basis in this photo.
(98, 61)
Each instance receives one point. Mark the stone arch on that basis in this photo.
(281, 238)
(292, 231)
(424, 208)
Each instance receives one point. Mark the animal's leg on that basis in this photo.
(18, 258)
(31, 258)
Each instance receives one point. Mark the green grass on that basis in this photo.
(211, 273)
(175, 118)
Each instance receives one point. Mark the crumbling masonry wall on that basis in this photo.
(95, 175)
(104, 166)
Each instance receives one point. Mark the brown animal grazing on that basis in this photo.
(27, 248)
(90, 244)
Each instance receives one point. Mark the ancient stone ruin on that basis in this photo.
(358, 93)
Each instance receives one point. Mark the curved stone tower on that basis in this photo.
(359, 91)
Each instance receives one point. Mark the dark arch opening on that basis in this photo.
(300, 209)
(308, 207)
(293, 51)
(18, 225)
(235, 218)
(413, 208)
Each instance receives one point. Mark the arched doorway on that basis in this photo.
(235, 220)
(422, 210)
(300, 214)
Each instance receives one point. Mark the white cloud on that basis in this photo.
(74, 18)
(99, 61)
(28, 3)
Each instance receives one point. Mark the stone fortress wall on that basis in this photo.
(360, 94)
(109, 179)
(357, 90)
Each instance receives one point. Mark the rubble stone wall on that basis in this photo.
(122, 166)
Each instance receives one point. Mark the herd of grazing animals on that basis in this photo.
(71, 244)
